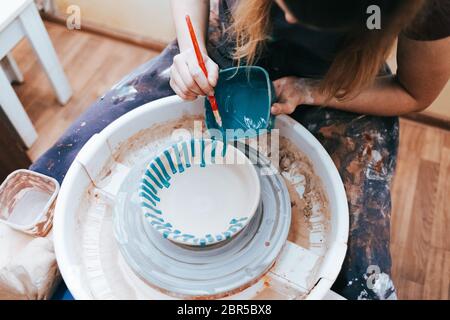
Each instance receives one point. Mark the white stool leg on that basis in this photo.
(37, 35)
(15, 112)
(11, 69)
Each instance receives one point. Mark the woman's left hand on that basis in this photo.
(291, 92)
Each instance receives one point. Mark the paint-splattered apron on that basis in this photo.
(364, 149)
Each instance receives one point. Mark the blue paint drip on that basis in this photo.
(144, 195)
(213, 151)
(202, 152)
(186, 154)
(163, 169)
(235, 221)
(177, 156)
(150, 186)
(193, 147)
(169, 159)
(150, 193)
(157, 211)
(152, 177)
(224, 149)
(149, 190)
(149, 198)
(161, 178)
(153, 216)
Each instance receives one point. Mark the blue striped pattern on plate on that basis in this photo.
(175, 160)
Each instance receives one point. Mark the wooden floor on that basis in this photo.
(92, 63)
(420, 218)
(420, 235)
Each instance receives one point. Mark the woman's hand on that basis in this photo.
(292, 92)
(187, 78)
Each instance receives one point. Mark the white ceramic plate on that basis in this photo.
(199, 193)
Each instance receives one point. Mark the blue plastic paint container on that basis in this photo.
(244, 95)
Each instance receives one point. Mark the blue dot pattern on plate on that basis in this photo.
(176, 160)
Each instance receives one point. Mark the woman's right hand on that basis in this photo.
(187, 78)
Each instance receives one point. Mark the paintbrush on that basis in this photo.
(212, 99)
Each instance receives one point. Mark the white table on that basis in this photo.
(19, 19)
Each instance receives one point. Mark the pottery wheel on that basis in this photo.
(212, 271)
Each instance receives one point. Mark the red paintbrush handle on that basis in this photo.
(198, 53)
(213, 102)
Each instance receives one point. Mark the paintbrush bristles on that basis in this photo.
(218, 118)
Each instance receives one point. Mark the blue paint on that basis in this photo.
(157, 211)
(178, 158)
(161, 178)
(169, 159)
(152, 177)
(149, 185)
(149, 192)
(149, 215)
(193, 147)
(224, 149)
(244, 96)
(202, 153)
(186, 154)
(142, 194)
(162, 168)
(213, 151)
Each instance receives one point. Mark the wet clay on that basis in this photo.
(152, 138)
(306, 192)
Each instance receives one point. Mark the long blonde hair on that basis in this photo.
(355, 66)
